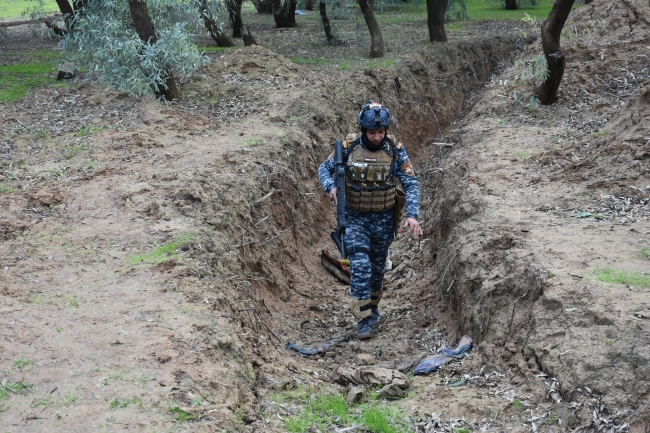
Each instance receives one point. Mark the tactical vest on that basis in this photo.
(370, 183)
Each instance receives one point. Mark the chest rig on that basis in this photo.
(370, 183)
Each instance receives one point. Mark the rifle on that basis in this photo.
(342, 203)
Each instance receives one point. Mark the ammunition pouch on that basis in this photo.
(362, 199)
(360, 308)
(400, 204)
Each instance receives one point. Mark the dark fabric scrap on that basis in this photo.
(444, 355)
(318, 346)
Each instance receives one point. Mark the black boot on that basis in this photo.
(364, 328)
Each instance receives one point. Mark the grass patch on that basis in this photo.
(45, 400)
(13, 9)
(4, 189)
(328, 410)
(69, 399)
(36, 71)
(73, 301)
(644, 253)
(381, 63)
(523, 154)
(161, 254)
(618, 276)
(88, 130)
(517, 404)
(21, 363)
(181, 415)
(215, 49)
(119, 403)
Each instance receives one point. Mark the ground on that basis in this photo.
(156, 260)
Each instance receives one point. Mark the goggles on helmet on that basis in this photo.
(373, 115)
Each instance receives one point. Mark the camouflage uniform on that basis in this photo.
(373, 231)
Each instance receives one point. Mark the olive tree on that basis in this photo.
(137, 46)
(555, 58)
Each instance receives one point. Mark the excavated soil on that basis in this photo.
(160, 257)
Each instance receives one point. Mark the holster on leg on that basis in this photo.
(360, 308)
(375, 297)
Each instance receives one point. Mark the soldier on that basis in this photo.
(373, 161)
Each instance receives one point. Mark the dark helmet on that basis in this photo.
(373, 115)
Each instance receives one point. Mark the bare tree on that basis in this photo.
(145, 29)
(234, 16)
(284, 13)
(213, 26)
(555, 59)
(331, 39)
(376, 38)
(436, 20)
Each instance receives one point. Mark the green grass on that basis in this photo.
(13, 9)
(517, 404)
(22, 363)
(476, 9)
(181, 415)
(69, 399)
(214, 49)
(161, 254)
(644, 253)
(88, 130)
(118, 403)
(327, 410)
(4, 189)
(618, 276)
(16, 80)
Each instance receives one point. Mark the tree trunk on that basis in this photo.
(551, 31)
(234, 16)
(247, 36)
(436, 20)
(331, 39)
(292, 12)
(213, 27)
(309, 5)
(511, 5)
(68, 15)
(145, 29)
(376, 38)
(284, 13)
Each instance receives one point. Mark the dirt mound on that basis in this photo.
(610, 23)
(523, 183)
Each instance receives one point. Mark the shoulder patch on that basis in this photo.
(407, 168)
(400, 145)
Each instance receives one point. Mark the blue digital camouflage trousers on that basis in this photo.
(371, 231)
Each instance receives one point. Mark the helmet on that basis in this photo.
(373, 115)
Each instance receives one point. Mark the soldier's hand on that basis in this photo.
(414, 227)
(333, 196)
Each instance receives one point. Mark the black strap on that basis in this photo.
(357, 249)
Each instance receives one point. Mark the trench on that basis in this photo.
(283, 217)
